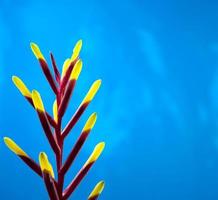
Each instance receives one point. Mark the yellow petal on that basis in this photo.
(37, 101)
(97, 190)
(45, 164)
(65, 66)
(76, 50)
(55, 111)
(21, 86)
(92, 91)
(76, 70)
(14, 147)
(90, 122)
(36, 51)
(96, 153)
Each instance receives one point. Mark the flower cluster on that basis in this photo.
(62, 85)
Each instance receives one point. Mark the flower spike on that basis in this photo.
(63, 85)
(84, 170)
(96, 191)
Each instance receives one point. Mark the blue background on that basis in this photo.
(157, 107)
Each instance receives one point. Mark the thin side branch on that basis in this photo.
(48, 75)
(56, 71)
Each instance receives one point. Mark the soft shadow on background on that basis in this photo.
(157, 108)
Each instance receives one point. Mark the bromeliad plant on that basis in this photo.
(62, 85)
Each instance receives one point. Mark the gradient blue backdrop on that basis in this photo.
(157, 108)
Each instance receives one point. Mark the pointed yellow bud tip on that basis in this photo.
(96, 153)
(21, 86)
(45, 164)
(36, 51)
(97, 190)
(14, 147)
(76, 50)
(92, 91)
(37, 101)
(76, 70)
(90, 122)
(65, 66)
(55, 111)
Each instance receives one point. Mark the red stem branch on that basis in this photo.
(66, 77)
(74, 152)
(48, 132)
(48, 75)
(59, 156)
(74, 119)
(50, 186)
(76, 181)
(32, 164)
(57, 73)
(50, 119)
(66, 98)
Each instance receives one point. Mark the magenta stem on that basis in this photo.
(74, 119)
(48, 75)
(74, 152)
(48, 132)
(50, 119)
(66, 98)
(66, 77)
(32, 164)
(50, 186)
(57, 73)
(76, 181)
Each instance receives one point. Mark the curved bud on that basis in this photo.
(90, 122)
(76, 50)
(14, 147)
(37, 101)
(76, 70)
(45, 164)
(92, 91)
(95, 154)
(36, 51)
(21, 86)
(65, 66)
(96, 191)
(55, 111)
